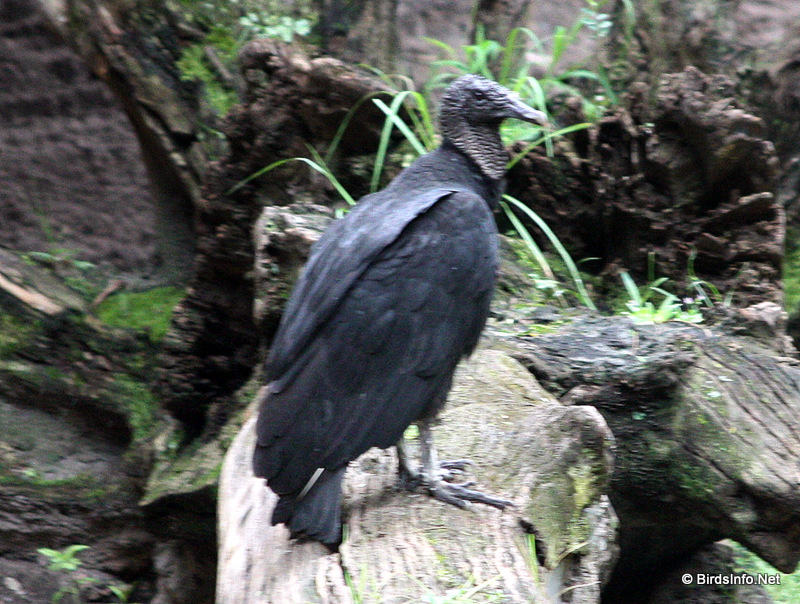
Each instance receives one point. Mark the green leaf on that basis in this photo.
(583, 295)
(630, 286)
(391, 113)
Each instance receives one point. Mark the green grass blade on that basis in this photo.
(509, 54)
(629, 19)
(538, 99)
(457, 65)
(728, 300)
(386, 132)
(401, 125)
(544, 139)
(583, 295)
(320, 166)
(630, 287)
(258, 174)
(560, 44)
(422, 122)
(441, 45)
(598, 76)
(534, 249)
(383, 146)
(346, 122)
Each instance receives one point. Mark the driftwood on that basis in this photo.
(706, 435)
(707, 431)
(552, 461)
(693, 465)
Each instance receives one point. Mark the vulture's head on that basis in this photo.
(470, 113)
(476, 101)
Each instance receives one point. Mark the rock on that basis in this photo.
(283, 237)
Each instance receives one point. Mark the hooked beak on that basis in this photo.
(520, 111)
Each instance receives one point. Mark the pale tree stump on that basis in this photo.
(553, 461)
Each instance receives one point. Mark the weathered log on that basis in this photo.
(552, 461)
(683, 188)
(707, 431)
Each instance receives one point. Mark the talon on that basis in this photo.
(437, 478)
(461, 497)
(455, 464)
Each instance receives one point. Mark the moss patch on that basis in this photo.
(14, 334)
(149, 311)
(83, 487)
(788, 592)
(193, 65)
(791, 271)
(139, 402)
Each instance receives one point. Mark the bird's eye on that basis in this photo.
(479, 95)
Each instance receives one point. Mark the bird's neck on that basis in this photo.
(480, 143)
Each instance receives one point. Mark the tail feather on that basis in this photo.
(317, 515)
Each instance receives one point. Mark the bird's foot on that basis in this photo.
(439, 478)
(462, 497)
(446, 471)
(443, 488)
(450, 471)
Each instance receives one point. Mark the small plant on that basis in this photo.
(466, 593)
(122, 592)
(284, 27)
(580, 292)
(58, 257)
(706, 292)
(228, 26)
(507, 64)
(641, 305)
(642, 310)
(194, 65)
(67, 563)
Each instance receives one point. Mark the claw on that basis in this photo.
(461, 496)
(456, 464)
(437, 478)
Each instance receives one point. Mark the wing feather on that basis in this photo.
(385, 352)
(337, 260)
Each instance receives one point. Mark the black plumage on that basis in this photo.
(393, 296)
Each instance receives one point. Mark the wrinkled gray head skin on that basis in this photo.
(470, 114)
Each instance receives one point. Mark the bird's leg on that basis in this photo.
(444, 470)
(435, 481)
(431, 466)
(407, 474)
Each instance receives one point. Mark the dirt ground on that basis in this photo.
(72, 181)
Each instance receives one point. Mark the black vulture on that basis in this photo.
(394, 294)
